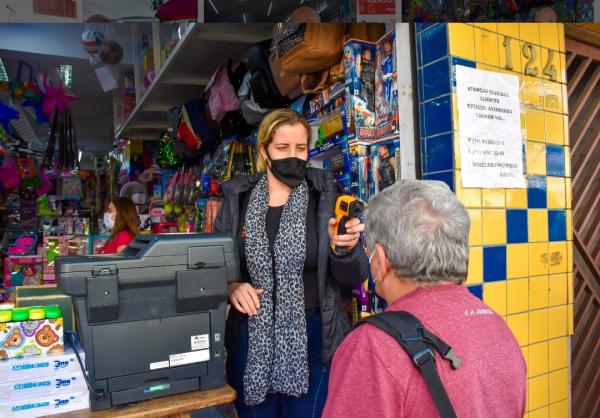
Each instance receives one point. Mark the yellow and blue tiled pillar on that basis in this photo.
(520, 260)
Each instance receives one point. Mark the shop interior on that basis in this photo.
(161, 114)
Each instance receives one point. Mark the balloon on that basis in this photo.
(91, 41)
(55, 98)
(110, 52)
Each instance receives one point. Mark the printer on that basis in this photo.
(151, 320)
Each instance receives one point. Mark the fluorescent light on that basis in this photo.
(270, 7)
(79, 158)
(322, 7)
(244, 17)
(214, 7)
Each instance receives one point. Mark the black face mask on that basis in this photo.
(289, 171)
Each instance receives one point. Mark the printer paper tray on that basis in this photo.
(154, 390)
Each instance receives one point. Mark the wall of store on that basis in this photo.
(521, 239)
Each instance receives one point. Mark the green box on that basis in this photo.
(47, 295)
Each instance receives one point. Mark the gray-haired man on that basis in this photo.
(418, 242)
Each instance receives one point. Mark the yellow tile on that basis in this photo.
(519, 325)
(531, 59)
(558, 257)
(554, 128)
(567, 161)
(565, 102)
(534, 122)
(486, 47)
(568, 191)
(539, 413)
(538, 292)
(489, 26)
(549, 35)
(517, 295)
(476, 227)
(558, 353)
(569, 256)
(570, 319)
(570, 288)
(538, 359)
(563, 67)
(509, 53)
(557, 284)
(569, 216)
(509, 29)
(558, 383)
(535, 157)
(538, 326)
(516, 198)
(538, 257)
(493, 198)
(538, 225)
(561, 37)
(475, 271)
(461, 40)
(470, 197)
(531, 88)
(494, 226)
(557, 321)
(551, 65)
(494, 295)
(566, 129)
(523, 114)
(559, 409)
(552, 96)
(529, 32)
(487, 67)
(538, 393)
(556, 192)
(517, 260)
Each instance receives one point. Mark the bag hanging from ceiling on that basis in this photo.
(309, 47)
(263, 84)
(221, 95)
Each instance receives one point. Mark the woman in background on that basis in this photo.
(121, 218)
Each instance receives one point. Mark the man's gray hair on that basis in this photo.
(423, 228)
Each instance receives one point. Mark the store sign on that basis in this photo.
(376, 10)
(489, 124)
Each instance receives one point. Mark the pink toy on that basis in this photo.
(55, 98)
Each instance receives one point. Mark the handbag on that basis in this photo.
(309, 47)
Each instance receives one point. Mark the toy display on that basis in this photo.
(31, 331)
(384, 163)
(386, 96)
(24, 270)
(361, 180)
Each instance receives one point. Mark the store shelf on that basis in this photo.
(186, 71)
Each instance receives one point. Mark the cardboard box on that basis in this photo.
(385, 163)
(47, 405)
(47, 295)
(386, 87)
(44, 366)
(59, 384)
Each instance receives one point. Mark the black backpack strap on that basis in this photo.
(419, 345)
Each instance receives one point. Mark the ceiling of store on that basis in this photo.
(258, 10)
(93, 111)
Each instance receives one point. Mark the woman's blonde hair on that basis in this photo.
(269, 125)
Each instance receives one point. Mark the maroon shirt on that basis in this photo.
(372, 376)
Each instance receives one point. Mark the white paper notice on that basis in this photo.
(187, 358)
(489, 125)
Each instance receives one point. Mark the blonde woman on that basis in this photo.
(287, 316)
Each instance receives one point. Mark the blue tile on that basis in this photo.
(436, 79)
(494, 263)
(516, 225)
(438, 116)
(555, 160)
(422, 121)
(476, 290)
(438, 153)
(420, 84)
(418, 50)
(460, 61)
(557, 225)
(423, 157)
(445, 176)
(423, 26)
(536, 192)
(434, 43)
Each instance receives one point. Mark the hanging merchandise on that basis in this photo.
(110, 53)
(6, 115)
(221, 94)
(234, 157)
(91, 41)
(265, 91)
(27, 171)
(55, 98)
(24, 89)
(9, 174)
(166, 154)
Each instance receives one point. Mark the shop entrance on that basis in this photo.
(583, 73)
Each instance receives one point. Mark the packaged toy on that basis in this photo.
(23, 270)
(386, 87)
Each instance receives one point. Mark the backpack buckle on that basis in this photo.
(454, 359)
(423, 356)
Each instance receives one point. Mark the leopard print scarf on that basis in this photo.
(277, 353)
